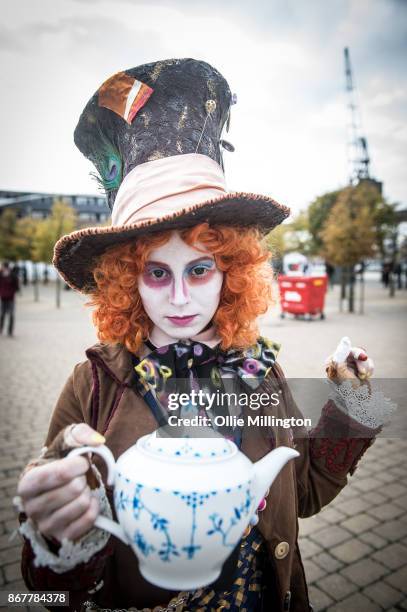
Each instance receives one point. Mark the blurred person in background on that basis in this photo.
(397, 272)
(330, 272)
(9, 286)
(24, 274)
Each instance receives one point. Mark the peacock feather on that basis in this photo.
(108, 163)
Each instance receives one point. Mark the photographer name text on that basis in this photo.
(234, 421)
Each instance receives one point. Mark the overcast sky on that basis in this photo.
(283, 59)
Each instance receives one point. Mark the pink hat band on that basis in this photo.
(163, 187)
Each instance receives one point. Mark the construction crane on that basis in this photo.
(358, 156)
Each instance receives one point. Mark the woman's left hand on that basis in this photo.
(349, 363)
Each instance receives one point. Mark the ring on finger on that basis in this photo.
(69, 439)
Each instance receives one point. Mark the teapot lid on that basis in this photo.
(190, 447)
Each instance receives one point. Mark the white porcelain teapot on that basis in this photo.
(184, 503)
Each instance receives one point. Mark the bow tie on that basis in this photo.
(186, 365)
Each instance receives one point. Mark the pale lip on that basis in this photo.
(182, 321)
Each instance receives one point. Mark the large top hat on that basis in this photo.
(154, 134)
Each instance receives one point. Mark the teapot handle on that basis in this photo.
(102, 522)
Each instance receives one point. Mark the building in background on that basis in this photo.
(90, 209)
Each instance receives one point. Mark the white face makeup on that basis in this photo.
(180, 290)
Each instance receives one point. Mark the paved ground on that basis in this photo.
(355, 550)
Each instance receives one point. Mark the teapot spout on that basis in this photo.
(267, 468)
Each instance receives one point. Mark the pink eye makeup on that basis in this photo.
(201, 272)
(156, 275)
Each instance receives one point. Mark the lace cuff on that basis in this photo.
(369, 408)
(70, 553)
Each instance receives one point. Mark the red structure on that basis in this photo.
(302, 295)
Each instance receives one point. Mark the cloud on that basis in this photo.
(283, 58)
(8, 41)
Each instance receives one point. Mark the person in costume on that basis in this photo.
(177, 283)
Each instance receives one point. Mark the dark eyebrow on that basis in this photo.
(190, 263)
(157, 263)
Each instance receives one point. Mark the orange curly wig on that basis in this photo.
(119, 316)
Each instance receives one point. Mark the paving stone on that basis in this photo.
(7, 514)
(332, 515)
(386, 512)
(310, 525)
(12, 572)
(5, 501)
(364, 572)
(398, 579)
(360, 523)
(337, 586)
(374, 497)
(398, 444)
(380, 463)
(8, 555)
(16, 586)
(392, 530)
(394, 489)
(10, 525)
(401, 501)
(13, 473)
(319, 600)
(371, 538)
(355, 603)
(347, 493)
(386, 476)
(330, 536)
(327, 562)
(313, 572)
(393, 556)
(8, 464)
(8, 482)
(399, 470)
(354, 506)
(367, 484)
(388, 461)
(383, 594)
(351, 551)
(308, 548)
(11, 491)
(363, 471)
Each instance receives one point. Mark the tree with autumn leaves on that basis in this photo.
(348, 236)
(34, 239)
(62, 221)
(344, 227)
(323, 211)
(351, 225)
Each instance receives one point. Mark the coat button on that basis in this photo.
(281, 550)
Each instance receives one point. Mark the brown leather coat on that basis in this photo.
(101, 392)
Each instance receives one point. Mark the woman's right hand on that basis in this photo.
(56, 495)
